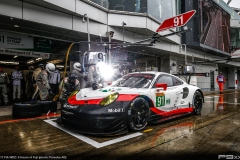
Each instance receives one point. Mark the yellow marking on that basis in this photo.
(148, 130)
(160, 94)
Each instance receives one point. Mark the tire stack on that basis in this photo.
(33, 109)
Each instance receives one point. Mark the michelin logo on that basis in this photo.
(117, 110)
(228, 157)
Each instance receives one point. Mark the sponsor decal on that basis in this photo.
(228, 157)
(168, 101)
(68, 106)
(116, 110)
(67, 113)
(160, 99)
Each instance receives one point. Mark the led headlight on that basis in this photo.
(109, 99)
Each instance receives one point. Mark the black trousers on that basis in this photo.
(54, 88)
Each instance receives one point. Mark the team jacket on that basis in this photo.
(54, 78)
(4, 78)
(42, 78)
(16, 77)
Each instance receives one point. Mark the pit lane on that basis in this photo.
(215, 132)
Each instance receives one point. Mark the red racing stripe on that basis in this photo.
(126, 97)
(73, 101)
(177, 111)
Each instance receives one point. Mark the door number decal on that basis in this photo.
(160, 99)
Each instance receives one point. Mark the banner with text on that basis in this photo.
(15, 41)
(24, 53)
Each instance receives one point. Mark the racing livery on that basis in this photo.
(130, 103)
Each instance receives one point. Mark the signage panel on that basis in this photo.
(24, 53)
(15, 41)
(177, 21)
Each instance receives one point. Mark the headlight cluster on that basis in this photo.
(109, 99)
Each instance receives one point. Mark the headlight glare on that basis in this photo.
(109, 99)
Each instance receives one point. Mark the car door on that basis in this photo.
(165, 100)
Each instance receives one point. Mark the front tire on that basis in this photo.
(197, 103)
(138, 114)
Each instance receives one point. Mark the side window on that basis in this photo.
(165, 79)
(176, 81)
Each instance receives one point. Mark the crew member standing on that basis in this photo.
(29, 82)
(54, 80)
(42, 81)
(3, 86)
(16, 80)
(221, 81)
(34, 77)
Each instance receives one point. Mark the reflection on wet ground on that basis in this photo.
(215, 132)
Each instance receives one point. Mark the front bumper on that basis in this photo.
(94, 119)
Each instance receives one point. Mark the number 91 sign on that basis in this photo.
(177, 21)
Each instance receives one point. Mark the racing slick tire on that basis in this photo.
(26, 110)
(138, 114)
(48, 106)
(197, 103)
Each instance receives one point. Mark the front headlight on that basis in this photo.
(109, 99)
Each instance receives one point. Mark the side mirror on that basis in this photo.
(162, 85)
(109, 83)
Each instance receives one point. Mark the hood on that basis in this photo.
(89, 93)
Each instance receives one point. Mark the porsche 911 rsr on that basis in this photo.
(130, 103)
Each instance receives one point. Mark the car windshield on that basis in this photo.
(134, 81)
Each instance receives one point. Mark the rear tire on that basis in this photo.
(26, 110)
(197, 103)
(138, 114)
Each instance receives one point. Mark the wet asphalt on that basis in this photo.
(214, 133)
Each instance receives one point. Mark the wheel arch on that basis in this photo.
(201, 94)
(150, 102)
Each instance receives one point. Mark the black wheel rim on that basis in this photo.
(139, 114)
(198, 103)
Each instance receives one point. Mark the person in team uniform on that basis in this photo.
(221, 81)
(42, 81)
(16, 77)
(29, 82)
(4, 81)
(68, 85)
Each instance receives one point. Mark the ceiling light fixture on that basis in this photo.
(38, 59)
(30, 61)
(9, 63)
(16, 26)
(15, 56)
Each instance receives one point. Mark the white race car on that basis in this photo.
(130, 103)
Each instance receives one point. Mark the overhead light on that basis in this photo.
(38, 59)
(9, 63)
(61, 66)
(16, 26)
(185, 28)
(30, 61)
(15, 56)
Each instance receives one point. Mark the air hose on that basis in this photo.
(64, 73)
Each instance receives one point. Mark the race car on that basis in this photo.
(130, 103)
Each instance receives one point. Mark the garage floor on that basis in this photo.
(215, 134)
